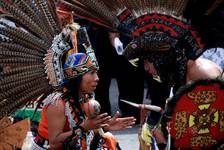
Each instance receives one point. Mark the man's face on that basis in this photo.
(149, 67)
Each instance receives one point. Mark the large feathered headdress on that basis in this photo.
(26, 31)
(166, 32)
(157, 25)
(32, 49)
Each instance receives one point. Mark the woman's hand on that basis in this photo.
(99, 121)
(117, 123)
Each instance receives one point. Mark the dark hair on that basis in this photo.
(170, 65)
(73, 91)
(164, 63)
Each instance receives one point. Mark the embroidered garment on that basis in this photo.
(196, 115)
(73, 115)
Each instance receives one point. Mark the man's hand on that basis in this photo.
(157, 133)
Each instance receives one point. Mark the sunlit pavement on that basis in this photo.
(128, 139)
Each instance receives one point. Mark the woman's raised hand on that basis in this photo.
(117, 123)
(99, 121)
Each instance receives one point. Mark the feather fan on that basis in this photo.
(27, 28)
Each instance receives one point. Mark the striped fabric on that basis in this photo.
(36, 147)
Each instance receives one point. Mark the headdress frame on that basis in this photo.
(66, 43)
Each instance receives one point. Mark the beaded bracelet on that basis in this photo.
(77, 130)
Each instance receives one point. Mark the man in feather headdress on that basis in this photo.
(174, 65)
(168, 35)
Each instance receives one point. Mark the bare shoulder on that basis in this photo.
(202, 69)
(57, 108)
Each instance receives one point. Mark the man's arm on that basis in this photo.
(202, 69)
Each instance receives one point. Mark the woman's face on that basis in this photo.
(89, 82)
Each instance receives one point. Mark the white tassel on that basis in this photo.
(118, 46)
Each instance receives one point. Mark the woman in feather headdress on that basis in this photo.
(79, 81)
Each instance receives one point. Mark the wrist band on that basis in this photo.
(77, 130)
(105, 130)
(89, 125)
(82, 128)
